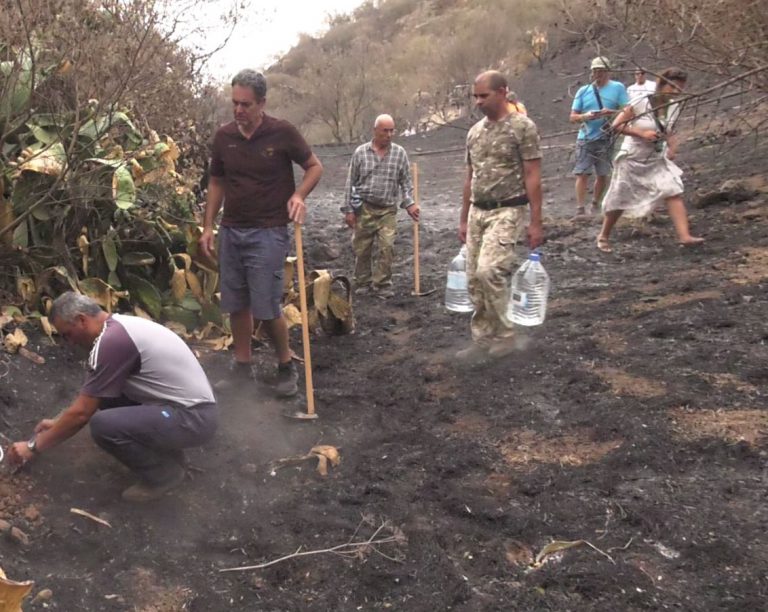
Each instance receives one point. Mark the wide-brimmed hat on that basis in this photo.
(600, 63)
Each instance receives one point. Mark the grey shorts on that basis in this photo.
(251, 263)
(593, 154)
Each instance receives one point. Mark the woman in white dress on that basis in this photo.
(644, 174)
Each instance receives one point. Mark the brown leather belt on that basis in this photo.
(521, 200)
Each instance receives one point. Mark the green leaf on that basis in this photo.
(45, 136)
(17, 85)
(190, 303)
(113, 279)
(138, 258)
(123, 188)
(146, 293)
(181, 315)
(109, 248)
(211, 313)
(21, 235)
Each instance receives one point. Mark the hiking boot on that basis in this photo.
(384, 292)
(286, 384)
(474, 353)
(237, 374)
(144, 492)
(503, 347)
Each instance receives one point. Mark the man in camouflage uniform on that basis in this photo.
(503, 176)
(379, 179)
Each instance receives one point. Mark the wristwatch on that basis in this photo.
(32, 445)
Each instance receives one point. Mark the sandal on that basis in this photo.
(604, 245)
(580, 211)
(693, 241)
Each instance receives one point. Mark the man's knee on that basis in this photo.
(488, 275)
(102, 429)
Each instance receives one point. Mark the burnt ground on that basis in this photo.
(633, 419)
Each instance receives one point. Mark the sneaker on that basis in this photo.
(287, 381)
(363, 290)
(144, 492)
(473, 353)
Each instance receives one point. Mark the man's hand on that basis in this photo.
(44, 425)
(413, 211)
(297, 210)
(350, 219)
(463, 232)
(207, 244)
(19, 454)
(535, 235)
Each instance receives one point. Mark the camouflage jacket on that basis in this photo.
(495, 151)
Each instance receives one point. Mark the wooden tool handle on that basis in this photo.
(304, 321)
(416, 275)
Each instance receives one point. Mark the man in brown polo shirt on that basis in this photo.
(251, 174)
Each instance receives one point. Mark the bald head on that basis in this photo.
(490, 94)
(493, 79)
(383, 131)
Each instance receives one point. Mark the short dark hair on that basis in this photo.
(495, 79)
(252, 79)
(671, 75)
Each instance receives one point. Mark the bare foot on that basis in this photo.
(691, 241)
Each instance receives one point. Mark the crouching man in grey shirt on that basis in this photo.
(145, 396)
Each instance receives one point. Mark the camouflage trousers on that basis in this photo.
(374, 224)
(491, 261)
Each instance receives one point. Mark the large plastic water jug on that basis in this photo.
(528, 293)
(456, 292)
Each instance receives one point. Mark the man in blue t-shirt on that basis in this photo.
(594, 106)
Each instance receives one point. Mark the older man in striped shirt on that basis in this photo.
(379, 180)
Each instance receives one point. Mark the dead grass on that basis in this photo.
(676, 299)
(733, 426)
(524, 448)
(561, 303)
(612, 343)
(755, 270)
(147, 595)
(622, 382)
(722, 379)
(470, 424)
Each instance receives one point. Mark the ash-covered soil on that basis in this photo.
(634, 419)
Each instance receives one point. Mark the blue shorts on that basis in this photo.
(593, 154)
(251, 264)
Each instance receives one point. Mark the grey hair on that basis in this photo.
(382, 118)
(70, 304)
(254, 80)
